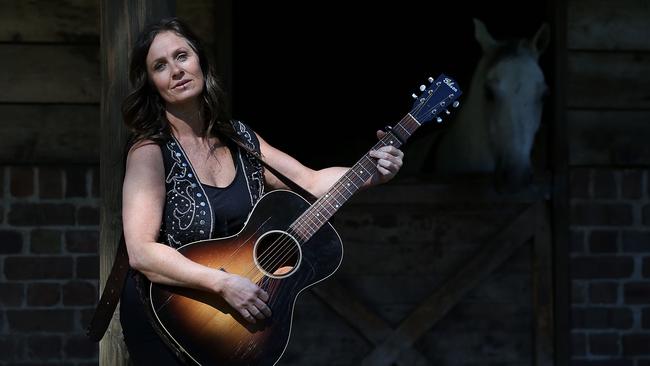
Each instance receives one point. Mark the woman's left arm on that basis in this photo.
(317, 182)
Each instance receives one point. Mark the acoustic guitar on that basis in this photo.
(286, 245)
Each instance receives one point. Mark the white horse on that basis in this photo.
(496, 124)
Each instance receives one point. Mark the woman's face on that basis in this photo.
(173, 68)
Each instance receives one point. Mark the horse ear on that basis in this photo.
(482, 35)
(541, 39)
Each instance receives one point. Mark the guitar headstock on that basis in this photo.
(435, 99)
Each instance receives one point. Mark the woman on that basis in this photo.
(187, 179)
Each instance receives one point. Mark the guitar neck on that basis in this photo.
(327, 205)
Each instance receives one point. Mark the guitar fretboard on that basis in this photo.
(326, 206)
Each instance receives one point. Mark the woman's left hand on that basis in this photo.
(389, 161)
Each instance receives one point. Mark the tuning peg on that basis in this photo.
(438, 119)
(430, 79)
(414, 96)
(423, 88)
(447, 111)
(388, 128)
(455, 104)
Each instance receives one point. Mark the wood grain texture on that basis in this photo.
(610, 137)
(608, 80)
(120, 23)
(49, 73)
(49, 134)
(603, 25)
(45, 21)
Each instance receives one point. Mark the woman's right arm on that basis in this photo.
(143, 199)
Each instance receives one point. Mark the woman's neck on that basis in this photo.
(185, 120)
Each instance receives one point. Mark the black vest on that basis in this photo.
(188, 215)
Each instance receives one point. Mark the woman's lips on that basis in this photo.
(180, 84)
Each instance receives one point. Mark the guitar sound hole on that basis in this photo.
(277, 254)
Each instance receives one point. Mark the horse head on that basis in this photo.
(511, 86)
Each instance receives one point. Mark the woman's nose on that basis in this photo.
(176, 70)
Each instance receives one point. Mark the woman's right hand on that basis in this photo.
(245, 297)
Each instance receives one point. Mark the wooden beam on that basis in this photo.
(595, 24)
(121, 21)
(430, 311)
(70, 74)
(45, 21)
(49, 134)
(560, 185)
(364, 320)
(542, 290)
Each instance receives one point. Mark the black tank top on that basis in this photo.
(230, 204)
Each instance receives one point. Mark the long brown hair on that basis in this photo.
(143, 109)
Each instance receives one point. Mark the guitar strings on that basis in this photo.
(283, 248)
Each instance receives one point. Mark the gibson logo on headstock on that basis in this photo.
(450, 84)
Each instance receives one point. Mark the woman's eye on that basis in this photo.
(182, 57)
(158, 67)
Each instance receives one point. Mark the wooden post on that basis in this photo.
(120, 23)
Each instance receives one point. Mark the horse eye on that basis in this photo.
(489, 93)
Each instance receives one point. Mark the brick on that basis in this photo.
(44, 347)
(602, 362)
(578, 292)
(645, 318)
(603, 293)
(578, 344)
(636, 292)
(636, 241)
(603, 241)
(40, 320)
(41, 214)
(45, 241)
(82, 241)
(50, 182)
(87, 267)
(43, 294)
(79, 293)
(604, 184)
(602, 214)
(79, 346)
(22, 181)
(88, 215)
(577, 241)
(11, 242)
(636, 344)
(585, 267)
(75, 182)
(12, 348)
(602, 318)
(646, 215)
(604, 344)
(11, 294)
(631, 184)
(579, 181)
(34, 268)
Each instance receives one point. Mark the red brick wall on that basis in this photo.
(49, 232)
(610, 266)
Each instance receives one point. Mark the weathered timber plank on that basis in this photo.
(599, 24)
(200, 16)
(49, 21)
(608, 80)
(542, 289)
(49, 74)
(609, 137)
(121, 21)
(34, 134)
(491, 256)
